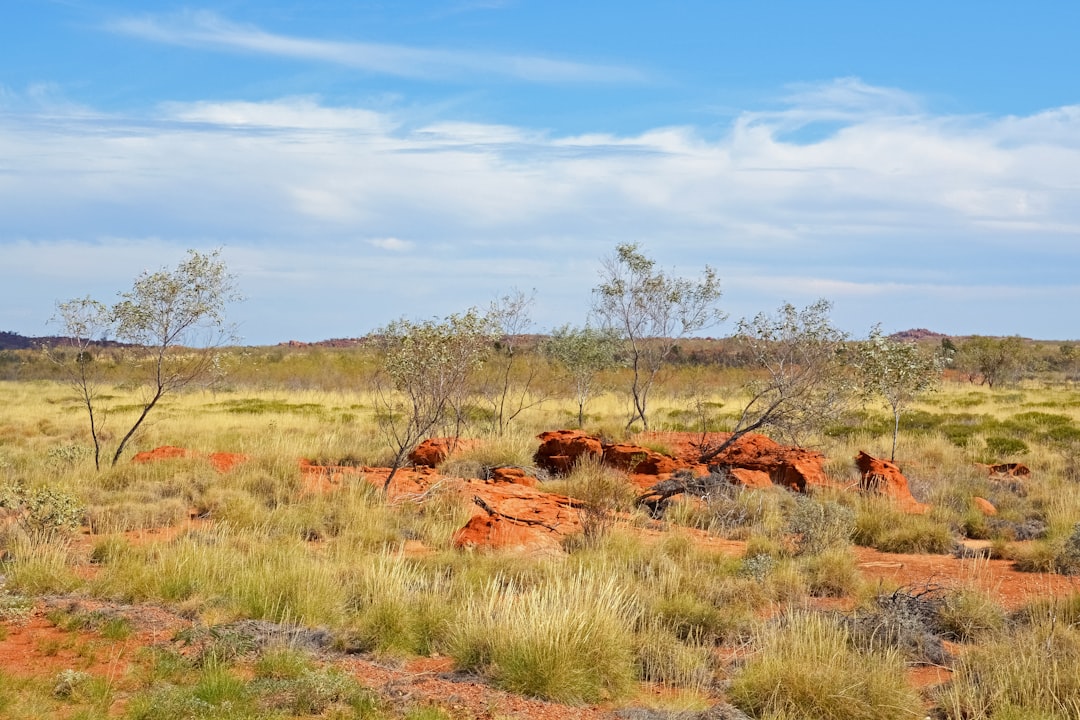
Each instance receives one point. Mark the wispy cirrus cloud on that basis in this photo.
(208, 30)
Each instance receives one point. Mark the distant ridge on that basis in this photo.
(332, 343)
(15, 341)
(917, 334)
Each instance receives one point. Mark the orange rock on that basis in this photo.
(884, 478)
(165, 452)
(750, 478)
(984, 506)
(560, 449)
(433, 451)
(513, 475)
(222, 462)
(488, 532)
(794, 468)
(639, 460)
(516, 516)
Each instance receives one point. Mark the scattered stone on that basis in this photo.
(1013, 470)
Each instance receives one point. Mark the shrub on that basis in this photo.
(1005, 446)
(1029, 675)
(663, 657)
(603, 492)
(968, 614)
(1060, 556)
(806, 667)
(880, 524)
(42, 512)
(570, 640)
(820, 526)
(831, 573)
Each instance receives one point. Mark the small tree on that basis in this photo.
(804, 380)
(82, 321)
(176, 321)
(896, 372)
(652, 312)
(584, 353)
(173, 321)
(509, 387)
(428, 365)
(990, 360)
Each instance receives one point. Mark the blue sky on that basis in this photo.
(917, 163)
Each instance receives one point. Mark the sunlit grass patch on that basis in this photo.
(806, 666)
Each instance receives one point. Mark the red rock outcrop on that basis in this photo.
(984, 506)
(795, 468)
(560, 449)
(884, 478)
(515, 516)
(433, 451)
(511, 475)
(749, 478)
(639, 460)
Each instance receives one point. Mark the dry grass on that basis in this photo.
(582, 626)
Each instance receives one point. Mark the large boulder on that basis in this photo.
(795, 468)
(639, 460)
(514, 516)
(434, 451)
(882, 477)
(560, 449)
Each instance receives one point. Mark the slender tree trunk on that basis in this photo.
(146, 411)
(389, 478)
(895, 432)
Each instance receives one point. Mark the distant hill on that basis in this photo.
(917, 334)
(15, 341)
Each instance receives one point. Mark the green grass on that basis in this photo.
(807, 667)
(569, 641)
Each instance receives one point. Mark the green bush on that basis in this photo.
(43, 512)
(1003, 447)
(820, 526)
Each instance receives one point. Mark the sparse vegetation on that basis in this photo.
(719, 600)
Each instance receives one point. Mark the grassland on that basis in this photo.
(756, 598)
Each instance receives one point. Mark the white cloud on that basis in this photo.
(285, 113)
(885, 213)
(392, 244)
(205, 29)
